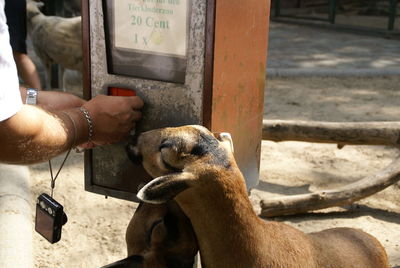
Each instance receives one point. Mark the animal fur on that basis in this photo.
(159, 236)
(56, 40)
(162, 235)
(200, 173)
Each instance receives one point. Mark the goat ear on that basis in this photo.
(165, 188)
(226, 140)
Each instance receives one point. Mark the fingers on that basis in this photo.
(135, 102)
(114, 117)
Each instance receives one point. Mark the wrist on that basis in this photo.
(89, 123)
(82, 130)
(71, 130)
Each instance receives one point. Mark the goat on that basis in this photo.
(159, 236)
(199, 172)
(55, 40)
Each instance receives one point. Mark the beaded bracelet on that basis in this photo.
(89, 120)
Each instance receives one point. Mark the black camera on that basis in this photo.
(50, 218)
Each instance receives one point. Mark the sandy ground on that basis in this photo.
(94, 234)
(296, 167)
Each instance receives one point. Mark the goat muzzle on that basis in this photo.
(133, 154)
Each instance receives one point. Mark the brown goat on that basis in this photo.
(55, 40)
(162, 235)
(199, 172)
(159, 236)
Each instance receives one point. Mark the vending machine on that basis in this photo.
(191, 61)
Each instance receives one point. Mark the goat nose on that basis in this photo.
(134, 154)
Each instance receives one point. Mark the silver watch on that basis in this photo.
(31, 96)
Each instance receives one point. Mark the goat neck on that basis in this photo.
(226, 225)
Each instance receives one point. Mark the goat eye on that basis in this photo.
(165, 144)
(168, 166)
(198, 150)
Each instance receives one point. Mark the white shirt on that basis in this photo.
(10, 98)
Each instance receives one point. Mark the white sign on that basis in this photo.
(158, 26)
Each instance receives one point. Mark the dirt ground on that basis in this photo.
(94, 234)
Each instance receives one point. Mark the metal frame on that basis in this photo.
(232, 78)
(330, 19)
(90, 172)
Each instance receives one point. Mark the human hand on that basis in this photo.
(113, 117)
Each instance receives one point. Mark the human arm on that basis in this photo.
(54, 100)
(34, 134)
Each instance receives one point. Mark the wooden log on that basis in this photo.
(341, 196)
(358, 133)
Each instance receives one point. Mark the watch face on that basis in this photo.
(31, 96)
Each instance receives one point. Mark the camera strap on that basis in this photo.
(53, 179)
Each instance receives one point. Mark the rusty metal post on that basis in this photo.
(241, 35)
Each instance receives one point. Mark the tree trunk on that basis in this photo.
(342, 196)
(362, 133)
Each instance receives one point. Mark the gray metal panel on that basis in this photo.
(167, 104)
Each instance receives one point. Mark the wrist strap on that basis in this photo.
(89, 121)
(53, 179)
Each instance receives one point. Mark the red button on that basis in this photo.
(117, 91)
